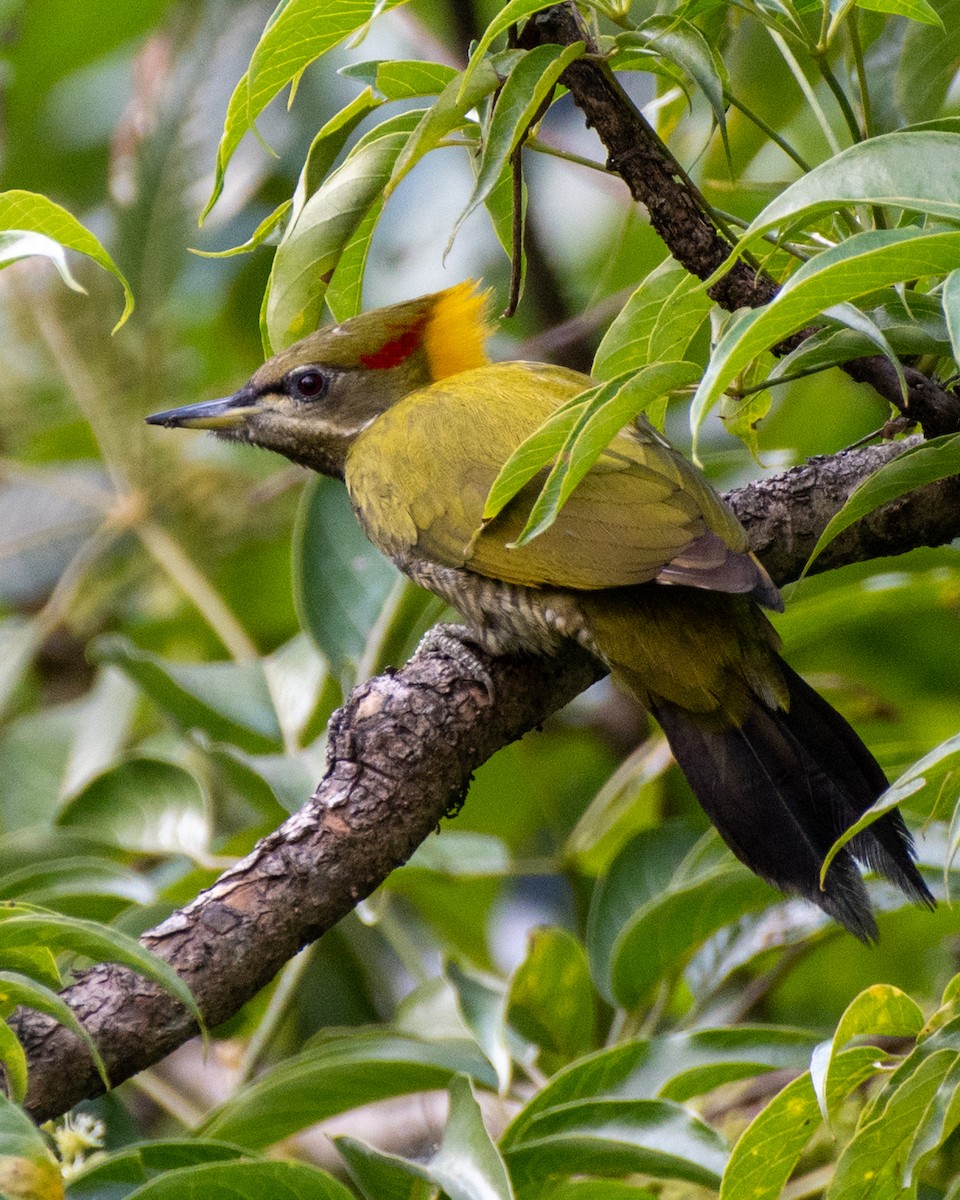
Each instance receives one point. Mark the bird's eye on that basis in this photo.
(310, 385)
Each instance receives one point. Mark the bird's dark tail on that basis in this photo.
(782, 786)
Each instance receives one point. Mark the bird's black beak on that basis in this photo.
(228, 413)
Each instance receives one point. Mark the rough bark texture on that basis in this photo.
(402, 751)
(681, 217)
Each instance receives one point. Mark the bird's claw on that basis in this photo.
(455, 642)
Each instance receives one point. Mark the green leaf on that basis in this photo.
(14, 1061)
(880, 1010)
(917, 171)
(450, 112)
(925, 463)
(526, 88)
(675, 1067)
(143, 804)
(662, 935)
(28, 1170)
(550, 999)
(22, 926)
(912, 323)
(230, 702)
(314, 243)
(907, 1120)
(345, 292)
(950, 299)
(510, 14)
(468, 1166)
(927, 64)
(638, 875)
(618, 1137)
(935, 764)
(327, 145)
(32, 222)
(17, 989)
(859, 265)
(461, 854)
(136, 1164)
(240, 1180)
(341, 581)
(263, 233)
(657, 324)
(337, 1073)
(914, 10)
(682, 43)
(770, 1147)
(482, 1004)
(402, 79)
(297, 34)
(587, 424)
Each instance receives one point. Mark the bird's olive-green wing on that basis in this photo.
(420, 474)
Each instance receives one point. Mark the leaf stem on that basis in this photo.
(771, 133)
(804, 85)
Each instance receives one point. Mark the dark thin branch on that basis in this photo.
(684, 221)
(401, 754)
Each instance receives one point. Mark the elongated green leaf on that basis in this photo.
(402, 79)
(673, 1067)
(327, 145)
(917, 171)
(681, 42)
(341, 581)
(927, 64)
(14, 1061)
(337, 1074)
(935, 765)
(313, 244)
(344, 295)
(239, 1180)
(607, 410)
(551, 999)
(263, 234)
(32, 224)
(577, 434)
(139, 1163)
(450, 112)
(659, 937)
(638, 876)
(482, 1004)
(618, 1137)
(859, 265)
(914, 10)
(468, 1165)
(912, 324)
(28, 1170)
(526, 88)
(23, 926)
(656, 324)
(229, 701)
(907, 1120)
(510, 14)
(770, 1147)
(298, 33)
(950, 299)
(143, 804)
(925, 463)
(881, 1010)
(16, 989)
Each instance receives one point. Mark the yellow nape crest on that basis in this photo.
(457, 330)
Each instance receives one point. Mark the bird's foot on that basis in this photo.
(457, 643)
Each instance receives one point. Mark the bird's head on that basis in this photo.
(311, 400)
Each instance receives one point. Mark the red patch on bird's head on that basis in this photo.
(393, 353)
